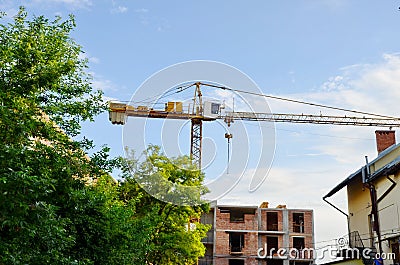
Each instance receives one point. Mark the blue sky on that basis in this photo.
(336, 52)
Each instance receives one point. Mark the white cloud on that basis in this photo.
(91, 59)
(157, 23)
(238, 101)
(94, 60)
(107, 99)
(371, 88)
(334, 83)
(104, 85)
(285, 185)
(119, 10)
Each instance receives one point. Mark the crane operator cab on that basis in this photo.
(211, 109)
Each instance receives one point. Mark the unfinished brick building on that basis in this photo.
(239, 232)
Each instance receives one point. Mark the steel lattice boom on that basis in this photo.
(313, 119)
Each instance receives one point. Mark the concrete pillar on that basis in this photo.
(286, 239)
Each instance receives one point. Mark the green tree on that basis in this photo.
(166, 233)
(44, 95)
(57, 204)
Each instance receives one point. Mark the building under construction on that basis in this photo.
(255, 235)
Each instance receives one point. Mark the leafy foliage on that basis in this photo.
(44, 94)
(58, 205)
(168, 235)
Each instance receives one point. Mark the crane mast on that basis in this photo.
(196, 133)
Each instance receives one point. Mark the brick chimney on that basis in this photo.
(384, 139)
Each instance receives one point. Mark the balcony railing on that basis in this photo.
(355, 240)
(298, 228)
(272, 227)
(351, 246)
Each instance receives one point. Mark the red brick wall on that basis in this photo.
(309, 243)
(222, 243)
(223, 222)
(384, 139)
(250, 244)
(221, 261)
(308, 222)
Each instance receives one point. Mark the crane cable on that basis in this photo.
(227, 163)
(167, 93)
(228, 136)
(300, 102)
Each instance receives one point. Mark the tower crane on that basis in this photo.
(208, 111)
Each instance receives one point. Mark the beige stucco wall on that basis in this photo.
(359, 205)
(386, 159)
(389, 207)
(359, 208)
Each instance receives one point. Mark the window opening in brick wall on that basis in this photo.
(237, 216)
(236, 243)
(272, 245)
(298, 245)
(272, 221)
(298, 222)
